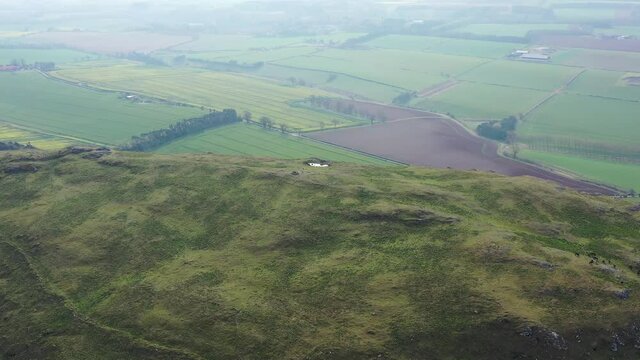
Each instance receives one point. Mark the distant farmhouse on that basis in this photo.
(540, 57)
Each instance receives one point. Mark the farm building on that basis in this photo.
(535, 57)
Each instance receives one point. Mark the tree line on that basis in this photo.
(38, 65)
(347, 108)
(12, 145)
(155, 139)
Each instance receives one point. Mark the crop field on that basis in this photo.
(207, 43)
(32, 101)
(214, 90)
(448, 46)
(603, 120)
(250, 140)
(30, 56)
(620, 31)
(254, 56)
(586, 42)
(603, 83)
(40, 141)
(598, 59)
(481, 101)
(413, 70)
(624, 176)
(108, 43)
(522, 74)
(511, 30)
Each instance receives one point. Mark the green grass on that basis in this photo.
(32, 101)
(254, 56)
(620, 30)
(474, 48)
(595, 119)
(245, 42)
(522, 74)
(40, 141)
(584, 14)
(481, 101)
(30, 56)
(598, 59)
(603, 83)
(204, 256)
(249, 140)
(413, 70)
(623, 176)
(514, 30)
(210, 89)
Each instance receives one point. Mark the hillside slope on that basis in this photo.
(149, 256)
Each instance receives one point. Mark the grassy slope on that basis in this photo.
(227, 257)
(29, 99)
(248, 140)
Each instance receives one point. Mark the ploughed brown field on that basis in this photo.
(427, 139)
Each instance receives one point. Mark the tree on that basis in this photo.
(335, 122)
(247, 116)
(284, 128)
(322, 124)
(266, 122)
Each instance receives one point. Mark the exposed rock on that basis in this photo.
(623, 294)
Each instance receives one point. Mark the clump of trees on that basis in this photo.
(12, 145)
(502, 130)
(347, 108)
(404, 98)
(39, 65)
(157, 138)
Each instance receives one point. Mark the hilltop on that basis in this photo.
(124, 255)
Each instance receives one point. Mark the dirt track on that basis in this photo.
(427, 139)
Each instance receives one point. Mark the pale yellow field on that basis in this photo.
(40, 141)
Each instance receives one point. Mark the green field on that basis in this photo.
(623, 176)
(606, 84)
(30, 56)
(413, 70)
(474, 48)
(595, 119)
(620, 30)
(40, 141)
(250, 140)
(514, 30)
(30, 100)
(584, 14)
(481, 101)
(598, 59)
(254, 56)
(522, 74)
(211, 89)
(244, 42)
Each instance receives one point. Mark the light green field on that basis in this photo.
(598, 59)
(254, 56)
(595, 119)
(250, 140)
(605, 83)
(413, 70)
(40, 141)
(211, 89)
(30, 100)
(475, 48)
(522, 74)
(515, 30)
(243, 42)
(480, 101)
(338, 83)
(30, 56)
(624, 176)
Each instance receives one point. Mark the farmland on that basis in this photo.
(212, 89)
(30, 100)
(459, 47)
(245, 42)
(249, 140)
(609, 84)
(598, 59)
(30, 56)
(624, 176)
(511, 30)
(38, 140)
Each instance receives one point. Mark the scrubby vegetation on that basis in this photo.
(134, 255)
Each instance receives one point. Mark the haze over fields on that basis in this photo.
(320, 179)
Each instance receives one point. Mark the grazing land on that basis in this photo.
(585, 117)
(38, 140)
(608, 84)
(108, 42)
(621, 175)
(510, 30)
(155, 256)
(460, 47)
(589, 42)
(213, 90)
(481, 101)
(250, 140)
(598, 59)
(255, 56)
(522, 75)
(245, 42)
(30, 100)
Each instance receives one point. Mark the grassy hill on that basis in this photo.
(151, 256)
